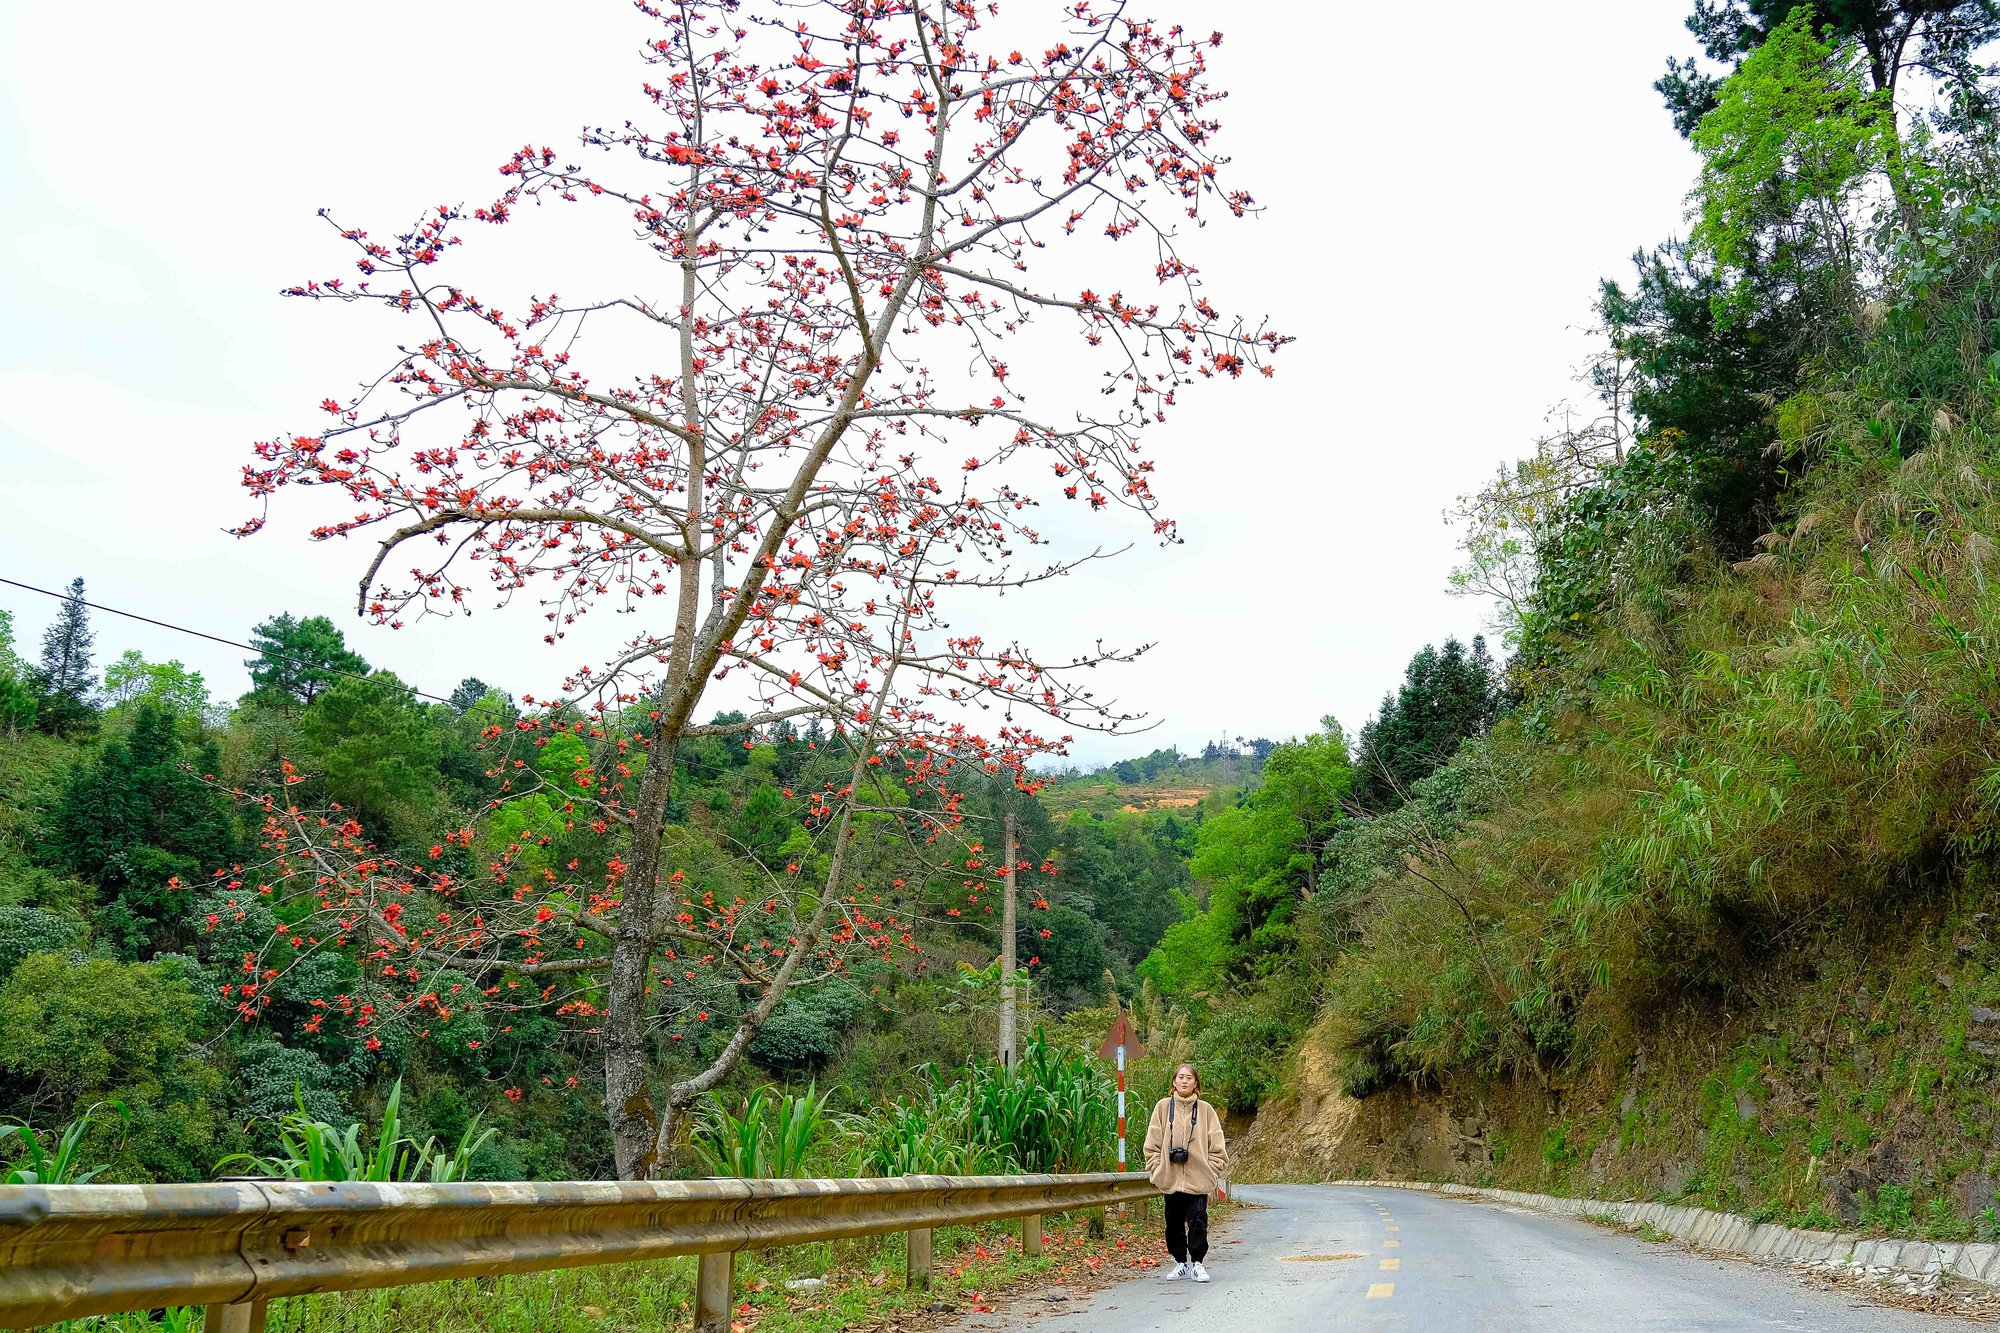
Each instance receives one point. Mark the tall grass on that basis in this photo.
(38, 1165)
(1054, 1111)
(310, 1149)
(771, 1134)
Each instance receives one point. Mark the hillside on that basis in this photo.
(1163, 780)
(1706, 912)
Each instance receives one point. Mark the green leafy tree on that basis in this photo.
(1259, 862)
(73, 1033)
(1196, 953)
(273, 1080)
(1793, 136)
(376, 754)
(807, 1029)
(18, 706)
(26, 930)
(168, 685)
(1940, 38)
(1066, 949)
(1132, 871)
(299, 659)
(525, 831)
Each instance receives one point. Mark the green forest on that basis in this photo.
(124, 951)
(1686, 880)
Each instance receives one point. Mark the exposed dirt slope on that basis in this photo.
(1850, 1085)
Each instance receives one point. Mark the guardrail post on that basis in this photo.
(1031, 1236)
(714, 1287)
(245, 1318)
(919, 1278)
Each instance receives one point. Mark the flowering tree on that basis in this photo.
(842, 192)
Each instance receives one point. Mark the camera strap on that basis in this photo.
(1194, 1121)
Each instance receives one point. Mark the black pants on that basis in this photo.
(1187, 1227)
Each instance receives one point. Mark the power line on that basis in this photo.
(212, 638)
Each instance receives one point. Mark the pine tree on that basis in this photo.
(376, 754)
(298, 659)
(469, 692)
(762, 825)
(136, 817)
(1446, 696)
(64, 678)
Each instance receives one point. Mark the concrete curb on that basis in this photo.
(1726, 1233)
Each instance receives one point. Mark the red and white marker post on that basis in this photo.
(1117, 1044)
(1121, 1106)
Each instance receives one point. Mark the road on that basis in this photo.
(1371, 1260)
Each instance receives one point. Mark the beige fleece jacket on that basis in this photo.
(1196, 1127)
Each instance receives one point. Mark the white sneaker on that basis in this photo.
(1177, 1270)
(1200, 1273)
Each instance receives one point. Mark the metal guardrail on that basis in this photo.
(72, 1250)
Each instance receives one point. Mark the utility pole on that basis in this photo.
(1007, 1016)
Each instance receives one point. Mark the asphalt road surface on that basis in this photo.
(1373, 1260)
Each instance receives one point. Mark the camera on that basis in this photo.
(1177, 1155)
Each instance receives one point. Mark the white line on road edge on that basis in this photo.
(1727, 1233)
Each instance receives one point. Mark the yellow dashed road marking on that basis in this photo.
(1389, 1265)
(1381, 1290)
(1392, 1228)
(1391, 1244)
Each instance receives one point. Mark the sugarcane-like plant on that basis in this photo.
(38, 1166)
(310, 1149)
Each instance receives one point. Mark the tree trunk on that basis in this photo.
(628, 1097)
(1007, 927)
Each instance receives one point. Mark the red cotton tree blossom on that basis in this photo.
(838, 194)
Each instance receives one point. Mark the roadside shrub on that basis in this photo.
(273, 1081)
(1241, 1056)
(807, 1028)
(75, 1033)
(26, 930)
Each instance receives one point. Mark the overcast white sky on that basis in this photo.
(1441, 201)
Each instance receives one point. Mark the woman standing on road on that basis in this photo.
(1186, 1156)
